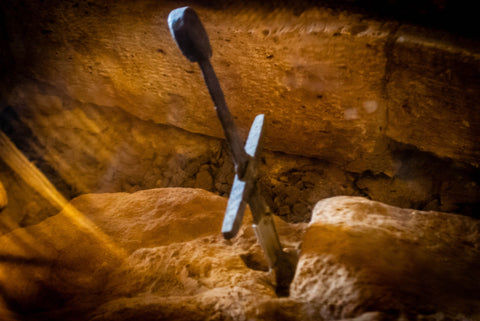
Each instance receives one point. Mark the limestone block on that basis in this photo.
(154, 254)
(158, 254)
(317, 77)
(360, 256)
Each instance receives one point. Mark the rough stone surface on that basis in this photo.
(25, 205)
(158, 255)
(360, 256)
(119, 55)
(331, 84)
(97, 95)
(150, 255)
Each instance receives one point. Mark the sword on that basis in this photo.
(192, 39)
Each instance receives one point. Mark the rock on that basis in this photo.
(333, 85)
(360, 256)
(148, 255)
(399, 192)
(25, 205)
(99, 97)
(440, 78)
(204, 180)
(158, 254)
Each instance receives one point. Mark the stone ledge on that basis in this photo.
(360, 256)
(332, 84)
(360, 260)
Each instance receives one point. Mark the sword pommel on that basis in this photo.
(189, 34)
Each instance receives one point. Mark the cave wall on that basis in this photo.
(99, 98)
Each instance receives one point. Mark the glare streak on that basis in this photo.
(15, 159)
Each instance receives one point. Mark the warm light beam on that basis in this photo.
(15, 159)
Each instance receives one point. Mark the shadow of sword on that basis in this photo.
(192, 39)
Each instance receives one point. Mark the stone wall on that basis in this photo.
(99, 98)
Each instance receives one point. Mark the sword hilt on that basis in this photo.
(192, 39)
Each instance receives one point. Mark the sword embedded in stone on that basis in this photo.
(192, 39)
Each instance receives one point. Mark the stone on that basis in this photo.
(113, 65)
(332, 85)
(158, 254)
(99, 97)
(359, 257)
(440, 76)
(25, 205)
(147, 255)
(412, 192)
(204, 180)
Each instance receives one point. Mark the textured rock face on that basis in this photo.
(331, 85)
(155, 254)
(158, 255)
(360, 256)
(439, 96)
(99, 97)
(123, 56)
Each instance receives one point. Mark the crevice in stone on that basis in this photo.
(423, 181)
(255, 261)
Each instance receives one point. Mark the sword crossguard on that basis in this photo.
(242, 187)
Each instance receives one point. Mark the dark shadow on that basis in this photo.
(39, 297)
(457, 17)
(455, 185)
(19, 260)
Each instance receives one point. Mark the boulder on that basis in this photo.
(364, 257)
(332, 84)
(159, 255)
(100, 98)
(154, 254)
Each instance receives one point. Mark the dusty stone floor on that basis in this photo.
(159, 255)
